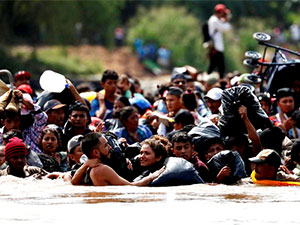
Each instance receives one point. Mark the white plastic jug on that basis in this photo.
(52, 81)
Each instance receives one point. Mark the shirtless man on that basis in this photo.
(95, 146)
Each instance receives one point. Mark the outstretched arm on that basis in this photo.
(252, 134)
(105, 175)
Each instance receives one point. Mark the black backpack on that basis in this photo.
(205, 32)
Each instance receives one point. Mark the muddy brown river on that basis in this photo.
(27, 201)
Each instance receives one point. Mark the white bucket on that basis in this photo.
(52, 81)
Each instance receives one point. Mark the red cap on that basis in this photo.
(19, 74)
(220, 8)
(25, 88)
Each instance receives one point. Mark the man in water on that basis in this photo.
(95, 146)
(267, 166)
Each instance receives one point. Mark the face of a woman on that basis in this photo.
(118, 105)
(132, 122)
(286, 104)
(49, 143)
(147, 156)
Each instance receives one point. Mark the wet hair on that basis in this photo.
(157, 147)
(51, 128)
(126, 112)
(109, 75)
(89, 142)
(181, 136)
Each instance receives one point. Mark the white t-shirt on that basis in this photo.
(216, 27)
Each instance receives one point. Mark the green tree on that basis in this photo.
(173, 27)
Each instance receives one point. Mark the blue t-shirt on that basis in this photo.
(143, 132)
(109, 108)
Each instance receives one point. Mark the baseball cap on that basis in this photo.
(267, 156)
(74, 142)
(20, 74)
(214, 94)
(220, 8)
(53, 104)
(25, 88)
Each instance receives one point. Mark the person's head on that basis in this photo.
(213, 99)
(152, 152)
(182, 118)
(266, 164)
(129, 117)
(74, 149)
(137, 86)
(10, 134)
(15, 155)
(173, 100)
(179, 80)
(265, 102)
(55, 111)
(189, 100)
(272, 138)
(120, 103)
(285, 100)
(182, 145)
(109, 81)
(50, 139)
(212, 146)
(237, 143)
(11, 120)
(79, 115)
(22, 77)
(220, 10)
(123, 83)
(295, 153)
(95, 145)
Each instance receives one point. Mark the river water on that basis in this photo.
(27, 201)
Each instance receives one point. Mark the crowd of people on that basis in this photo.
(197, 128)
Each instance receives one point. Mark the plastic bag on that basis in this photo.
(230, 121)
(203, 131)
(231, 159)
(178, 172)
